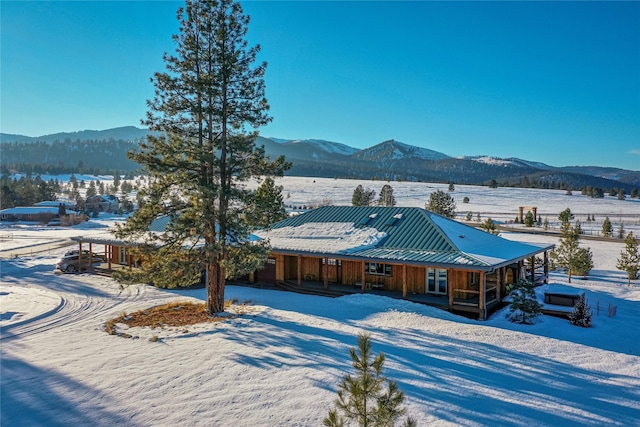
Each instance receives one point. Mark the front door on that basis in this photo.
(436, 281)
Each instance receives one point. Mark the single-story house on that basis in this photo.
(30, 213)
(397, 251)
(102, 203)
(57, 203)
(405, 250)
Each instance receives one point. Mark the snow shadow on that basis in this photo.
(39, 397)
(474, 383)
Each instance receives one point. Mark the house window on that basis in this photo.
(437, 281)
(378, 269)
(271, 260)
(332, 261)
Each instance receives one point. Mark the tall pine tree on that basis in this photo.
(266, 205)
(442, 204)
(204, 116)
(386, 196)
(362, 196)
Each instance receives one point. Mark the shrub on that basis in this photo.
(581, 315)
(524, 307)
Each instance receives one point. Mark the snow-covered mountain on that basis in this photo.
(392, 150)
(391, 159)
(511, 161)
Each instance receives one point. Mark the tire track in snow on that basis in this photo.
(75, 308)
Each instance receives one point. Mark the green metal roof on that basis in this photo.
(416, 236)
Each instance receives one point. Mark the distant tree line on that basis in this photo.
(26, 191)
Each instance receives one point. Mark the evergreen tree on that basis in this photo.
(362, 196)
(581, 315)
(582, 263)
(565, 216)
(493, 184)
(634, 193)
(489, 226)
(266, 205)
(452, 187)
(621, 231)
(441, 203)
(91, 191)
(116, 181)
(101, 188)
(578, 227)
(524, 307)
(622, 194)
(545, 224)
(629, 260)
(607, 228)
(528, 219)
(469, 215)
(386, 196)
(569, 255)
(203, 117)
(363, 398)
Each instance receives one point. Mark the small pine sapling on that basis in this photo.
(363, 398)
(524, 307)
(581, 315)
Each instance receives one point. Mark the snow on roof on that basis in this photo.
(482, 245)
(323, 237)
(410, 235)
(55, 203)
(26, 210)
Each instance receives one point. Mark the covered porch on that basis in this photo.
(458, 289)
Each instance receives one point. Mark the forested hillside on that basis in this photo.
(87, 156)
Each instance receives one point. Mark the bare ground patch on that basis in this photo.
(175, 314)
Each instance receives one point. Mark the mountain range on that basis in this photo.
(388, 160)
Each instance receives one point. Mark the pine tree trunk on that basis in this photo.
(215, 288)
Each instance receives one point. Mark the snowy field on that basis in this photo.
(279, 365)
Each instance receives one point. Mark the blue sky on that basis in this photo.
(552, 82)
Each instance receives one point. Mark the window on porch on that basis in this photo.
(378, 269)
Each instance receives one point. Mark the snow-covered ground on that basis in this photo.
(279, 365)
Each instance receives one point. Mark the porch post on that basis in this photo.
(404, 281)
(482, 296)
(520, 264)
(363, 276)
(546, 266)
(498, 282)
(90, 254)
(325, 272)
(451, 282)
(80, 256)
(109, 253)
(299, 270)
(533, 269)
